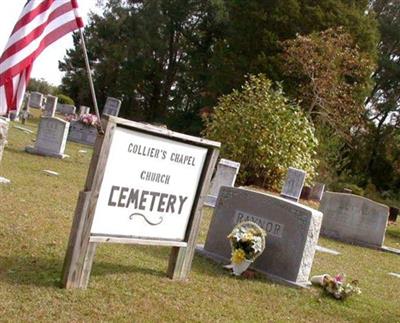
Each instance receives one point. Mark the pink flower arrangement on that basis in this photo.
(89, 119)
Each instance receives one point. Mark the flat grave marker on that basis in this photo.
(292, 233)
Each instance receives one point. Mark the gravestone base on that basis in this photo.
(33, 150)
(222, 260)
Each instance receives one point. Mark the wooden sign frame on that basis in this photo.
(82, 246)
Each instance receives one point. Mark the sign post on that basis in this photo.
(145, 185)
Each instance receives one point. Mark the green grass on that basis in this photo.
(128, 283)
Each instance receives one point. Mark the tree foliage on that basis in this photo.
(170, 59)
(262, 130)
(329, 76)
(42, 86)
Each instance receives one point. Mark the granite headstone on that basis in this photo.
(355, 219)
(66, 109)
(292, 233)
(81, 133)
(83, 110)
(293, 184)
(51, 138)
(225, 175)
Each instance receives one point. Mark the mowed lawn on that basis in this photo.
(128, 283)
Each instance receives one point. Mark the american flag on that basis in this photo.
(40, 24)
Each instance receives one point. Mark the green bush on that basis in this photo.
(339, 186)
(64, 99)
(261, 129)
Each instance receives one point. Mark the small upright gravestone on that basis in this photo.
(112, 107)
(51, 138)
(50, 106)
(225, 175)
(354, 219)
(35, 100)
(83, 110)
(293, 184)
(317, 191)
(292, 233)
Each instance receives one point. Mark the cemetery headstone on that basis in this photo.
(293, 184)
(317, 191)
(225, 175)
(355, 219)
(112, 107)
(83, 110)
(66, 109)
(292, 233)
(51, 138)
(82, 133)
(36, 100)
(50, 106)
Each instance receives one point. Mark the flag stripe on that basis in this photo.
(22, 43)
(37, 21)
(41, 23)
(46, 41)
(28, 15)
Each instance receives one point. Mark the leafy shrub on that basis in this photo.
(64, 99)
(261, 129)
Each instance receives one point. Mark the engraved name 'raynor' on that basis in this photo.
(146, 200)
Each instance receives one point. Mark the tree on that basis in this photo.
(262, 130)
(329, 76)
(384, 100)
(42, 86)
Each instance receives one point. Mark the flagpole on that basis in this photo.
(96, 108)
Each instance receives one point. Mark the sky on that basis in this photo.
(46, 65)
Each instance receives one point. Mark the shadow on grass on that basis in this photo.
(46, 272)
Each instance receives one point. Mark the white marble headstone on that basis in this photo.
(225, 175)
(51, 138)
(50, 106)
(35, 100)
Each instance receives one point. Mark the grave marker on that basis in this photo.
(83, 110)
(51, 138)
(82, 133)
(50, 106)
(225, 175)
(293, 184)
(36, 100)
(112, 107)
(159, 203)
(292, 233)
(66, 109)
(317, 192)
(354, 219)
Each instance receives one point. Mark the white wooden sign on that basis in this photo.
(148, 188)
(145, 185)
